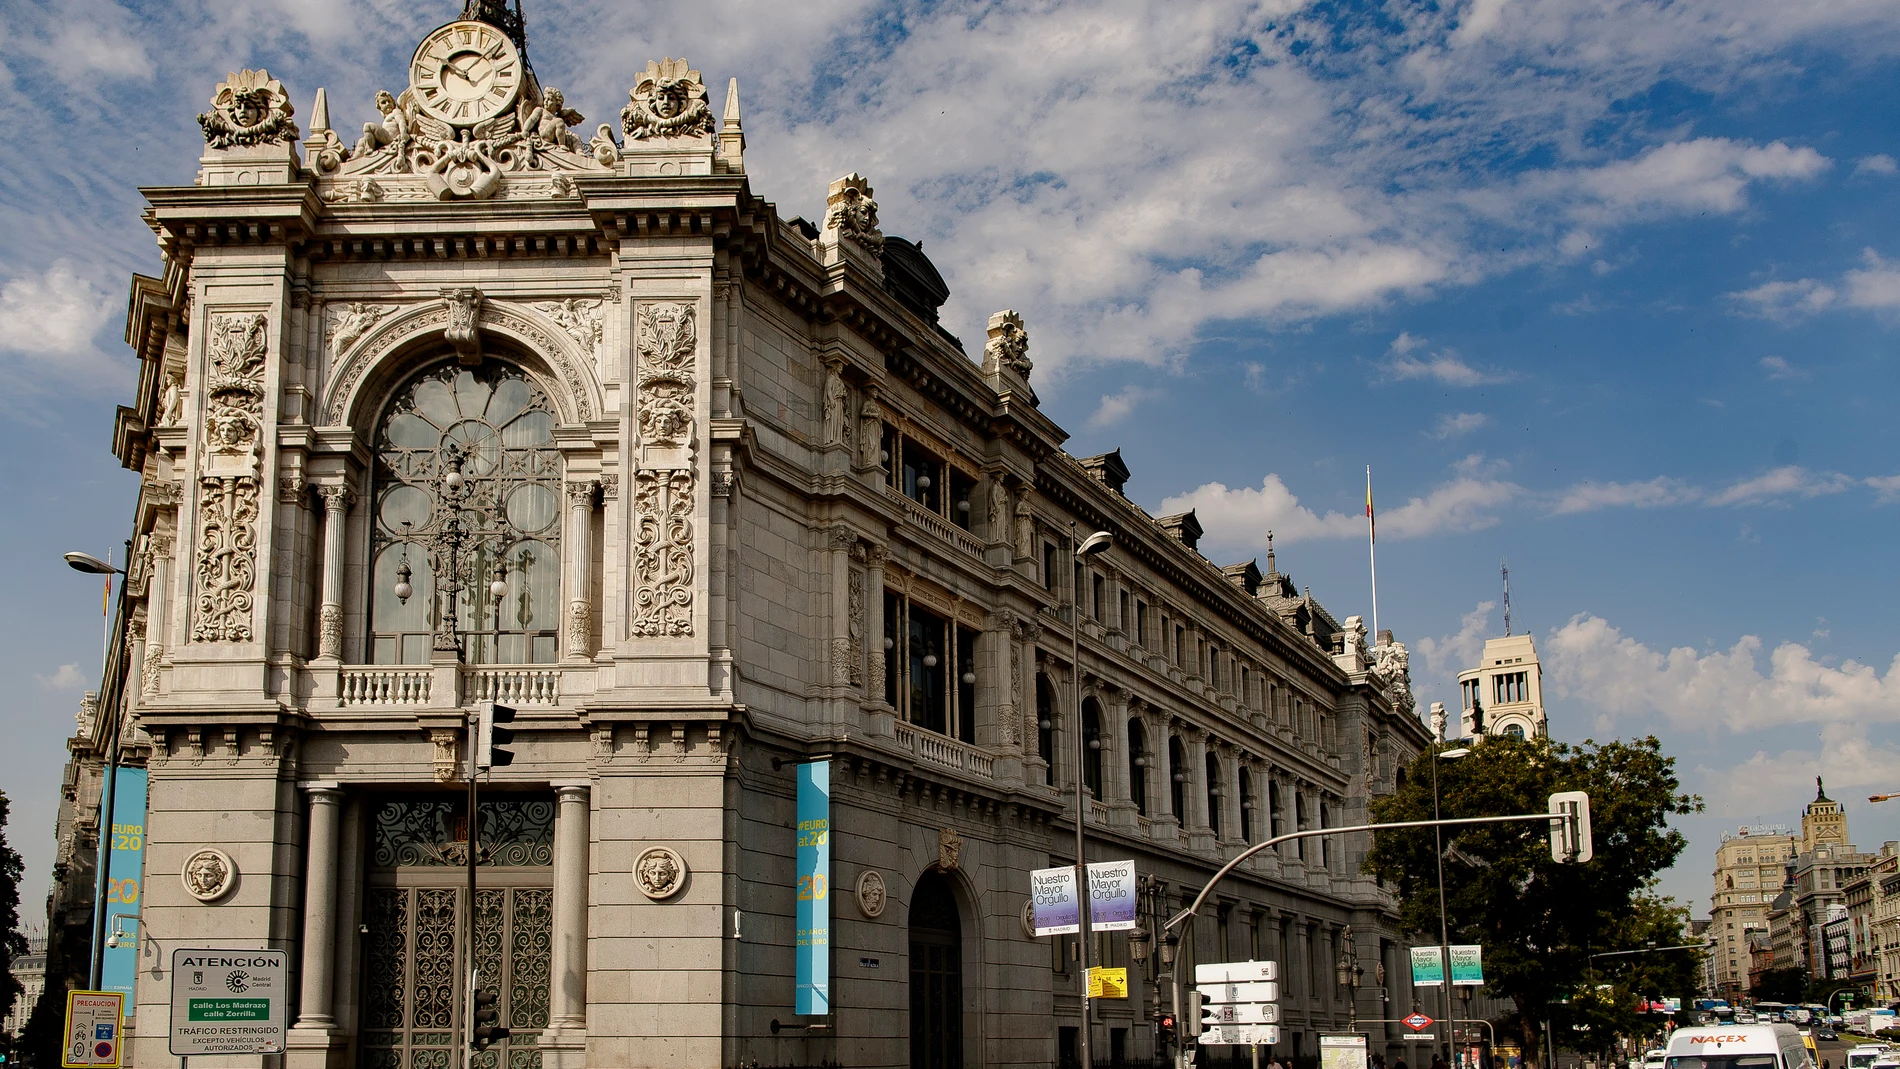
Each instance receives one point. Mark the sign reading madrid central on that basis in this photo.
(228, 1001)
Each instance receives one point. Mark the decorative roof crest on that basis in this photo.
(668, 101)
(248, 108)
(851, 213)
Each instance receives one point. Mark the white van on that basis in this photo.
(1754, 1046)
(1865, 1055)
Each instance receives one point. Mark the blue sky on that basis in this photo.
(1609, 288)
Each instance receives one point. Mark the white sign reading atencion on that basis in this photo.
(228, 1001)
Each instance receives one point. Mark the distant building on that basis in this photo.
(1760, 956)
(1823, 822)
(29, 971)
(1508, 685)
(1818, 879)
(1748, 874)
(1886, 932)
(1700, 929)
(1787, 938)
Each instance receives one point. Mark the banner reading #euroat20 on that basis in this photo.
(1052, 893)
(1112, 896)
(812, 996)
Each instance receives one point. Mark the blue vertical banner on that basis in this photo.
(125, 883)
(813, 996)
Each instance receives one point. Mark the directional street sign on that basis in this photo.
(1241, 1035)
(1238, 1003)
(1214, 1013)
(1418, 1022)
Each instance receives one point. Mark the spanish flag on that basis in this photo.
(1372, 527)
(105, 600)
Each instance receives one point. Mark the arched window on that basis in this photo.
(1138, 766)
(1177, 776)
(1213, 792)
(494, 426)
(1092, 746)
(1246, 802)
(1516, 731)
(1046, 727)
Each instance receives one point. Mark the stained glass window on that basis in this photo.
(502, 424)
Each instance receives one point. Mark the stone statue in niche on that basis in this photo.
(171, 404)
(248, 108)
(870, 431)
(835, 408)
(669, 100)
(999, 510)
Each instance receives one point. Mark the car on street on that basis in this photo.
(1827, 1034)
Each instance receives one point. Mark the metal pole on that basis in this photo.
(110, 701)
(1081, 802)
(474, 844)
(1444, 928)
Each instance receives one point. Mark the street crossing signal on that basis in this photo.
(1166, 1024)
(1570, 827)
(486, 1030)
(489, 736)
(1191, 1023)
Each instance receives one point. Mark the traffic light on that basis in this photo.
(1191, 1015)
(490, 736)
(487, 1030)
(1166, 1025)
(1570, 826)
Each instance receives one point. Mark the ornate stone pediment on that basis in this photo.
(669, 101)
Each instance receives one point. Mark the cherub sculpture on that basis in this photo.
(394, 129)
(551, 121)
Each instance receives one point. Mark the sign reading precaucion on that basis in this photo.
(228, 1001)
(94, 1023)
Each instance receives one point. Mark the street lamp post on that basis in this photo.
(1444, 926)
(108, 790)
(1092, 545)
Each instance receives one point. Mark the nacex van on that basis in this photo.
(1740, 1046)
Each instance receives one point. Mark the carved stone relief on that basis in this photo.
(248, 108)
(870, 430)
(949, 849)
(659, 872)
(447, 753)
(851, 213)
(871, 893)
(236, 348)
(668, 344)
(580, 319)
(465, 322)
(208, 874)
(663, 553)
(668, 101)
(854, 654)
(348, 322)
(1008, 344)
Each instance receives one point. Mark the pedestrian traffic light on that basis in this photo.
(1191, 1015)
(489, 735)
(1570, 827)
(486, 1030)
(1166, 1025)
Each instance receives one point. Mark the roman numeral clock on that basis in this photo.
(465, 73)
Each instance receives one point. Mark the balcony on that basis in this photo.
(415, 686)
(930, 748)
(937, 525)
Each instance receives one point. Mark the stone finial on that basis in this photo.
(669, 101)
(325, 148)
(731, 133)
(851, 214)
(249, 108)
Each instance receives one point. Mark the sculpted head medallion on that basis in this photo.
(871, 893)
(208, 874)
(660, 872)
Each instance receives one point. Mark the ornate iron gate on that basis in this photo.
(414, 983)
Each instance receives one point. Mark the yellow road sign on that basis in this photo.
(1108, 983)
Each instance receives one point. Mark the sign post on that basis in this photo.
(95, 1024)
(228, 1001)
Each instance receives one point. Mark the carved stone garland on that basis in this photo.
(227, 498)
(663, 493)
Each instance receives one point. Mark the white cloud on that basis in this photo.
(67, 677)
(1786, 481)
(1876, 285)
(1464, 504)
(1593, 662)
(1590, 496)
(1448, 655)
(1116, 407)
(1458, 424)
(1242, 517)
(1708, 174)
(1880, 164)
(1887, 488)
(1786, 300)
(51, 316)
(1444, 365)
(1779, 369)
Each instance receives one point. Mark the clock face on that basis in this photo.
(466, 72)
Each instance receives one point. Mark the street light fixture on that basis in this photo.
(91, 565)
(1093, 545)
(1882, 797)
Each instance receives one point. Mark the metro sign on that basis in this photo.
(1418, 1022)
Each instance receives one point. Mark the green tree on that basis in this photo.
(12, 941)
(1538, 920)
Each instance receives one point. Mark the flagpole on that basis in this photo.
(1372, 555)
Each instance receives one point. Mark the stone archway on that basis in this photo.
(936, 975)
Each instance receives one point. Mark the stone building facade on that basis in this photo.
(479, 406)
(1749, 869)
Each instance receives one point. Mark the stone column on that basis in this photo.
(580, 568)
(883, 723)
(318, 965)
(158, 595)
(840, 539)
(564, 1044)
(336, 507)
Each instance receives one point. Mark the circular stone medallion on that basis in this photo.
(209, 874)
(659, 872)
(871, 893)
(1029, 919)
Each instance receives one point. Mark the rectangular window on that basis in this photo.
(1180, 640)
(1121, 616)
(1096, 587)
(1049, 567)
(1141, 622)
(962, 489)
(922, 476)
(926, 668)
(1511, 687)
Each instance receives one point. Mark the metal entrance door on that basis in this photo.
(415, 983)
(936, 976)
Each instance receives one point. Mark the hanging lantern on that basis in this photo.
(403, 586)
(969, 678)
